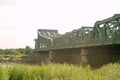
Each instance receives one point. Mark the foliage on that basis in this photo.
(14, 54)
(59, 72)
(26, 50)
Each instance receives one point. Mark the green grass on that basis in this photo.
(59, 72)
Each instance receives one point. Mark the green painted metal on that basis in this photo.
(45, 38)
(104, 32)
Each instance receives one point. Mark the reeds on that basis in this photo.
(59, 72)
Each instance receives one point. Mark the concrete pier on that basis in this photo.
(84, 56)
(99, 56)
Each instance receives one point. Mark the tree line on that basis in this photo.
(26, 50)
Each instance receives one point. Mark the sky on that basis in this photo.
(20, 19)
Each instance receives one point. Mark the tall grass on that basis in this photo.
(59, 72)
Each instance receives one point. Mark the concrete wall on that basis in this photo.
(93, 56)
(99, 56)
(66, 55)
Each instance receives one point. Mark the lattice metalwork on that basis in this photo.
(104, 32)
(45, 38)
(73, 38)
(108, 30)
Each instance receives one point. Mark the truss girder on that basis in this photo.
(73, 38)
(104, 32)
(108, 29)
(45, 38)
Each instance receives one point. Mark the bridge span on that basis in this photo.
(95, 45)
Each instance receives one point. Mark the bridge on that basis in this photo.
(88, 45)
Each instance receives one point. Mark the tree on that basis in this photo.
(1, 51)
(28, 50)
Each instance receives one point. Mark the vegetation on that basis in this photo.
(59, 72)
(26, 50)
(14, 54)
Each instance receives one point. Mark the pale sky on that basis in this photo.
(20, 19)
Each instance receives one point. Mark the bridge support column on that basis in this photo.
(98, 56)
(66, 55)
(84, 56)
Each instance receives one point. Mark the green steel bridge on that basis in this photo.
(104, 32)
(90, 45)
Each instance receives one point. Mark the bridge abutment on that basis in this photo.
(84, 56)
